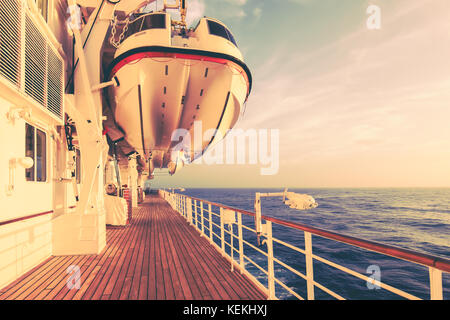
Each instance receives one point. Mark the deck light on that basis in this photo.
(25, 162)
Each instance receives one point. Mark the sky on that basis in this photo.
(355, 107)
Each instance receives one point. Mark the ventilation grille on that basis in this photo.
(27, 58)
(35, 62)
(10, 35)
(55, 83)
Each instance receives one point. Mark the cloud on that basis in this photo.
(196, 10)
(227, 9)
(383, 93)
(301, 1)
(237, 2)
(257, 12)
(369, 108)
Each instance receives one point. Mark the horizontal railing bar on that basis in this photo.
(250, 229)
(364, 277)
(205, 210)
(330, 292)
(25, 218)
(252, 246)
(396, 252)
(289, 289)
(215, 224)
(227, 231)
(215, 214)
(215, 234)
(289, 245)
(256, 265)
(290, 268)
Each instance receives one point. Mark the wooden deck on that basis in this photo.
(158, 257)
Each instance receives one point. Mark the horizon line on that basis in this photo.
(304, 187)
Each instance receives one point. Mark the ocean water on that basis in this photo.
(415, 219)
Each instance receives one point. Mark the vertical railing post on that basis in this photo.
(270, 265)
(241, 243)
(231, 246)
(181, 206)
(222, 232)
(210, 223)
(436, 292)
(258, 224)
(309, 266)
(203, 222)
(189, 211)
(195, 214)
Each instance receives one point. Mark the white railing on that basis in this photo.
(199, 213)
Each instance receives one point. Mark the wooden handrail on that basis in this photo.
(2, 223)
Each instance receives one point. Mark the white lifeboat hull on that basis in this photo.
(164, 89)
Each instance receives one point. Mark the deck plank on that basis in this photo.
(193, 255)
(158, 256)
(174, 275)
(109, 276)
(213, 274)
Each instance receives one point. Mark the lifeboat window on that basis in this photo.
(154, 21)
(219, 30)
(230, 37)
(146, 22)
(36, 149)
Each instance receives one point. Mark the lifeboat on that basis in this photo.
(172, 80)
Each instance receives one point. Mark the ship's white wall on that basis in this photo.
(28, 197)
(23, 244)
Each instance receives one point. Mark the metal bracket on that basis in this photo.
(114, 82)
(25, 162)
